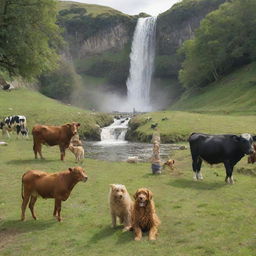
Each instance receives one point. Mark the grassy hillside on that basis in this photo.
(226, 106)
(234, 93)
(92, 9)
(42, 110)
(198, 218)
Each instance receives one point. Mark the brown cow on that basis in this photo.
(49, 185)
(252, 156)
(53, 135)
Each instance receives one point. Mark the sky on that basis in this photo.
(152, 7)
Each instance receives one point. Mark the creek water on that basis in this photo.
(114, 147)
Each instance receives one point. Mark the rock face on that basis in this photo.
(101, 41)
(113, 38)
(174, 27)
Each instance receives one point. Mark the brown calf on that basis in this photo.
(53, 135)
(49, 185)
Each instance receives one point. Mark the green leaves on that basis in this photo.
(29, 37)
(226, 39)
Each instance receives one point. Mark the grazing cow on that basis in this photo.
(153, 126)
(214, 149)
(18, 123)
(53, 135)
(49, 185)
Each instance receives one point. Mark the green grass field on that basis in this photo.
(40, 109)
(226, 106)
(198, 218)
(181, 124)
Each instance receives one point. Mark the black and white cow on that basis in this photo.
(214, 149)
(18, 123)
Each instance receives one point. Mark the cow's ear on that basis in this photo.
(254, 138)
(78, 124)
(70, 169)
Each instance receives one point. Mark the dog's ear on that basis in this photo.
(136, 195)
(150, 194)
(112, 186)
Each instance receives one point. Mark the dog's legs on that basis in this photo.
(113, 220)
(138, 233)
(127, 223)
(152, 233)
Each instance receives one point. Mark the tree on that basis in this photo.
(29, 37)
(225, 40)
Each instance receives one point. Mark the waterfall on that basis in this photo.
(141, 65)
(115, 133)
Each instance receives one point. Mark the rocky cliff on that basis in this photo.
(99, 37)
(174, 27)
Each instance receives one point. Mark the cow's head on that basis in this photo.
(246, 143)
(78, 173)
(2, 124)
(73, 127)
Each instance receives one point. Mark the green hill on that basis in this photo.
(226, 106)
(42, 110)
(234, 93)
(92, 9)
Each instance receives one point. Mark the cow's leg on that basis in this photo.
(35, 150)
(38, 148)
(58, 209)
(196, 164)
(55, 208)
(18, 129)
(31, 206)
(62, 152)
(24, 204)
(229, 171)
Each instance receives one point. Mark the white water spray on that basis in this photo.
(141, 65)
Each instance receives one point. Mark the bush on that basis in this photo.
(60, 83)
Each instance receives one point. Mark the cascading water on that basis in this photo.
(115, 133)
(141, 65)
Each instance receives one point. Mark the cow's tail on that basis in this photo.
(22, 187)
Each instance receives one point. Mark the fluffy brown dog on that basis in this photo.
(144, 218)
(169, 163)
(121, 205)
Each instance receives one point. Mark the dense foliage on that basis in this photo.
(29, 37)
(174, 27)
(225, 40)
(60, 83)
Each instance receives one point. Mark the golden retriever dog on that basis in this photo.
(78, 151)
(121, 205)
(144, 218)
(170, 163)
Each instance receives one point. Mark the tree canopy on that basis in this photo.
(29, 37)
(225, 39)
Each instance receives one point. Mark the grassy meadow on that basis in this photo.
(40, 109)
(198, 218)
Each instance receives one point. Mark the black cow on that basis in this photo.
(18, 123)
(214, 149)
